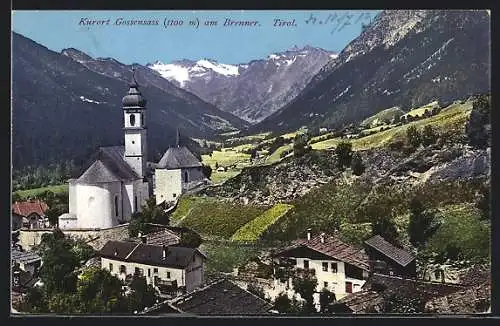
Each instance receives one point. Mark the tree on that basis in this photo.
(143, 295)
(478, 126)
(207, 171)
(59, 263)
(421, 225)
(300, 146)
(283, 304)
(343, 152)
(326, 299)
(357, 165)
(190, 239)
(413, 137)
(304, 282)
(429, 136)
(385, 227)
(150, 213)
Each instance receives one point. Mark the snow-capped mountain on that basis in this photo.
(403, 58)
(251, 91)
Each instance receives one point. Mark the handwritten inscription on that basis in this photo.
(339, 20)
(336, 20)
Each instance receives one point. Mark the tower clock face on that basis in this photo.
(132, 119)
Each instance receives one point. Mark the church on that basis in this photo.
(120, 180)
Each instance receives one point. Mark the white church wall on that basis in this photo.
(194, 176)
(168, 185)
(72, 197)
(128, 200)
(96, 205)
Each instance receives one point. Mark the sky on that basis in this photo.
(57, 30)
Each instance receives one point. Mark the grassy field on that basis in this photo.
(384, 115)
(421, 110)
(224, 158)
(219, 177)
(212, 217)
(36, 191)
(254, 229)
(275, 157)
(225, 257)
(451, 119)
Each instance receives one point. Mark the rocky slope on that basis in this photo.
(67, 104)
(251, 91)
(406, 58)
(292, 178)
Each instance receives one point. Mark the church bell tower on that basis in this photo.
(134, 109)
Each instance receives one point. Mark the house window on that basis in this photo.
(132, 119)
(149, 272)
(174, 195)
(185, 177)
(168, 274)
(110, 267)
(155, 270)
(139, 271)
(348, 287)
(116, 205)
(135, 203)
(334, 267)
(306, 264)
(123, 269)
(325, 267)
(325, 284)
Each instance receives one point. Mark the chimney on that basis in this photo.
(322, 237)
(164, 252)
(308, 234)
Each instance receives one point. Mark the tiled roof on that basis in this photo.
(26, 208)
(363, 302)
(24, 257)
(163, 237)
(334, 248)
(476, 299)
(410, 287)
(176, 257)
(400, 256)
(222, 297)
(177, 158)
(109, 166)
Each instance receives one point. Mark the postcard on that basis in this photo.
(240, 162)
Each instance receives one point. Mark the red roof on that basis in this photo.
(335, 248)
(25, 208)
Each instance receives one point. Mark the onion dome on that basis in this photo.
(134, 98)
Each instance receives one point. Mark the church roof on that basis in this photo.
(177, 158)
(134, 98)
(110, 166)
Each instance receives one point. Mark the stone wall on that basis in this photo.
(94, 237)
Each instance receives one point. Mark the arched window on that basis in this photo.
(185, 177)
(142, 119)
(116, 205)
(132, 119)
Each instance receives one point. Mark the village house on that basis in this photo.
(338, 267)
(386, 258)
(27, 261)
(220, 297)
(170, 269)
(31, 213)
